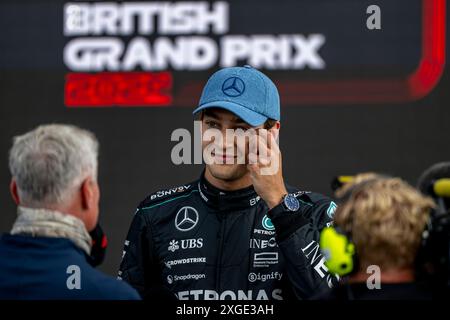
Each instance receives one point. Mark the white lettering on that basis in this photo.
(168, 17)
(93, 54)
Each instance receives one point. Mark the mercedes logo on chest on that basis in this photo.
(186, 219)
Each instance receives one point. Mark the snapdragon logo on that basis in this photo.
(236, 146)
(171, 279)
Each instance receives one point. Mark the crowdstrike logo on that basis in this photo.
(171, 263)
(186, 219)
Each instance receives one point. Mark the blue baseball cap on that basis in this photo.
(244, 91)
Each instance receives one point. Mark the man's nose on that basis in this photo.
(228, 139)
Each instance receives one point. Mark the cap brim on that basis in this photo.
(251, 117)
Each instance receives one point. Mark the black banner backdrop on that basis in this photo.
(353, 99)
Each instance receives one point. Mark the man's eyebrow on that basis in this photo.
(235, 119)
(239, 121)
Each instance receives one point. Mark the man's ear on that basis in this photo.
(87, 193)
(275, 130)
(90, 196)
(14, 191)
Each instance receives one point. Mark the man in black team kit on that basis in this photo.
(236, 233)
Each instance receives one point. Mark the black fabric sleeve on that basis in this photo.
(139, 266)
(298, 236)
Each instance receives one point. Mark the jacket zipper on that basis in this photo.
(220, 253)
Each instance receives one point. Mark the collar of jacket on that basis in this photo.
(52, 224)
(221, 200)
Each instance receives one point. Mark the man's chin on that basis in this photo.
(227, 172)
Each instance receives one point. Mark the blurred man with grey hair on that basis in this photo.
(54, 184)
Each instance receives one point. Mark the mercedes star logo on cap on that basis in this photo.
(233, 87)
(186, 219)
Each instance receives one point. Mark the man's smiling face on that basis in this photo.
(225, 164)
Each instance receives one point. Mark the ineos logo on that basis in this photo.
(262, 244)
(186, 219)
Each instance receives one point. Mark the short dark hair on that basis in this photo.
(269, 123)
